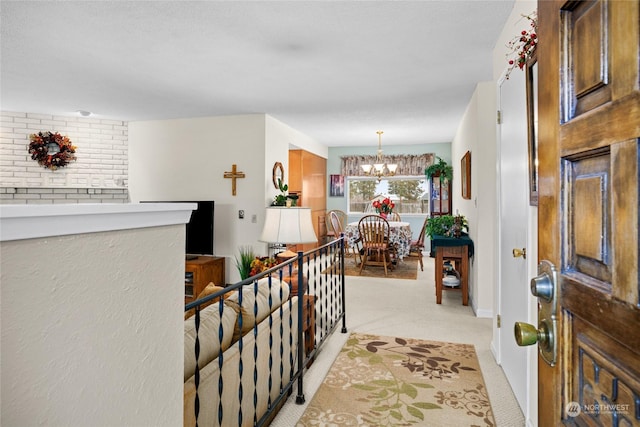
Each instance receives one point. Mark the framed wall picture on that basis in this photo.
(336, 185)
(465, 177)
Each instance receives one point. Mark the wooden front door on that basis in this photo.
(589, 125)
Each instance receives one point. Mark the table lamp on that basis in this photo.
(289, 226)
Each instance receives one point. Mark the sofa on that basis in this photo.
(247, 337)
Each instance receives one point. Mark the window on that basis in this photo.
(410, 194)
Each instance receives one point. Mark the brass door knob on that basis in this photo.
(527, 334)
(520, 253)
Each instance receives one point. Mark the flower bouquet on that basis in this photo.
(260, 264)
(384, 207)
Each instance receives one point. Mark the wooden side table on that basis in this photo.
(456, 250)
(309, 322)
(308, 311)
(460, 256)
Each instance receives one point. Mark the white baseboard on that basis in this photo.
(494, 351)
(484, 313)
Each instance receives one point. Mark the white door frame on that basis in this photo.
(530, 406)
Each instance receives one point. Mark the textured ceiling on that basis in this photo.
(337, 71)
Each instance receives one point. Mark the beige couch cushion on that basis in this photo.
(266, 286)
(268, 364)
(210, 343)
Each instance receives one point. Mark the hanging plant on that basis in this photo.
(523, 46)
(442, 168)
(51, 150)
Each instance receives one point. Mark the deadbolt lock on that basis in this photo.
(542, 287)
(545, 288)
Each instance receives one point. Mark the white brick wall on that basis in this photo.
(100, 172)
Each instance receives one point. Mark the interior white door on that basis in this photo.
(513, 210)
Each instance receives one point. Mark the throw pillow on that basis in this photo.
(211, 288)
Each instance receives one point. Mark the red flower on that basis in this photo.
(523, 45)
(386, 206)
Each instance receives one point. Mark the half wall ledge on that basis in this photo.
(18, 222)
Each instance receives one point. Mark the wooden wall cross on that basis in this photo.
(234, 174)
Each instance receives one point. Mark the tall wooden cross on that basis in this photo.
(234, 174)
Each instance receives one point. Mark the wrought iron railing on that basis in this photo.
(280, 320)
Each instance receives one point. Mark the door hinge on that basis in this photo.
(498, 117)
(498, 320)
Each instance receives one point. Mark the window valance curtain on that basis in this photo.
(408, 164)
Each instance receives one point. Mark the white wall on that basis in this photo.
(185, 159)
(477, 134)
(91, 329)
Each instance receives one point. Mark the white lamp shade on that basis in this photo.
(288, 225)
(392, 167)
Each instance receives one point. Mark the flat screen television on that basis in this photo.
(200, 230)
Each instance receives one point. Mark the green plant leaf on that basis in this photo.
(243, 264)
(425, 405)
(409, 390)
(375, 359)
(415, 412)
(422, 385)
(395, 414)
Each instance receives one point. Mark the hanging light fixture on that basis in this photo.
(380, 169)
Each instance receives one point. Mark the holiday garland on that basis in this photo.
(523, 45)
(39, 150)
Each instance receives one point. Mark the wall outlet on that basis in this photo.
(254, 219)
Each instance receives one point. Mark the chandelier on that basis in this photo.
(380, 169)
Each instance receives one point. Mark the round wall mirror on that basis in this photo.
(278, 173)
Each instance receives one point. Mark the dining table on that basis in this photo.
(400, 236)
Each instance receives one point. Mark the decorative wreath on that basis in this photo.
(39, 150)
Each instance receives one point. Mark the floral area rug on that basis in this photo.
(407, 268)
(390, 381)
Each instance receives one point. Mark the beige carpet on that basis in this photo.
(392, 381)
(407, 268)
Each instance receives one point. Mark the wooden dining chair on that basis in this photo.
(342, 217)
(337, 224)
(417, 246)
(374, 232)
(394, 216)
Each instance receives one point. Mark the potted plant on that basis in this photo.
(441, 168)
(243, 264)
(446, 225)
(281, 199)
